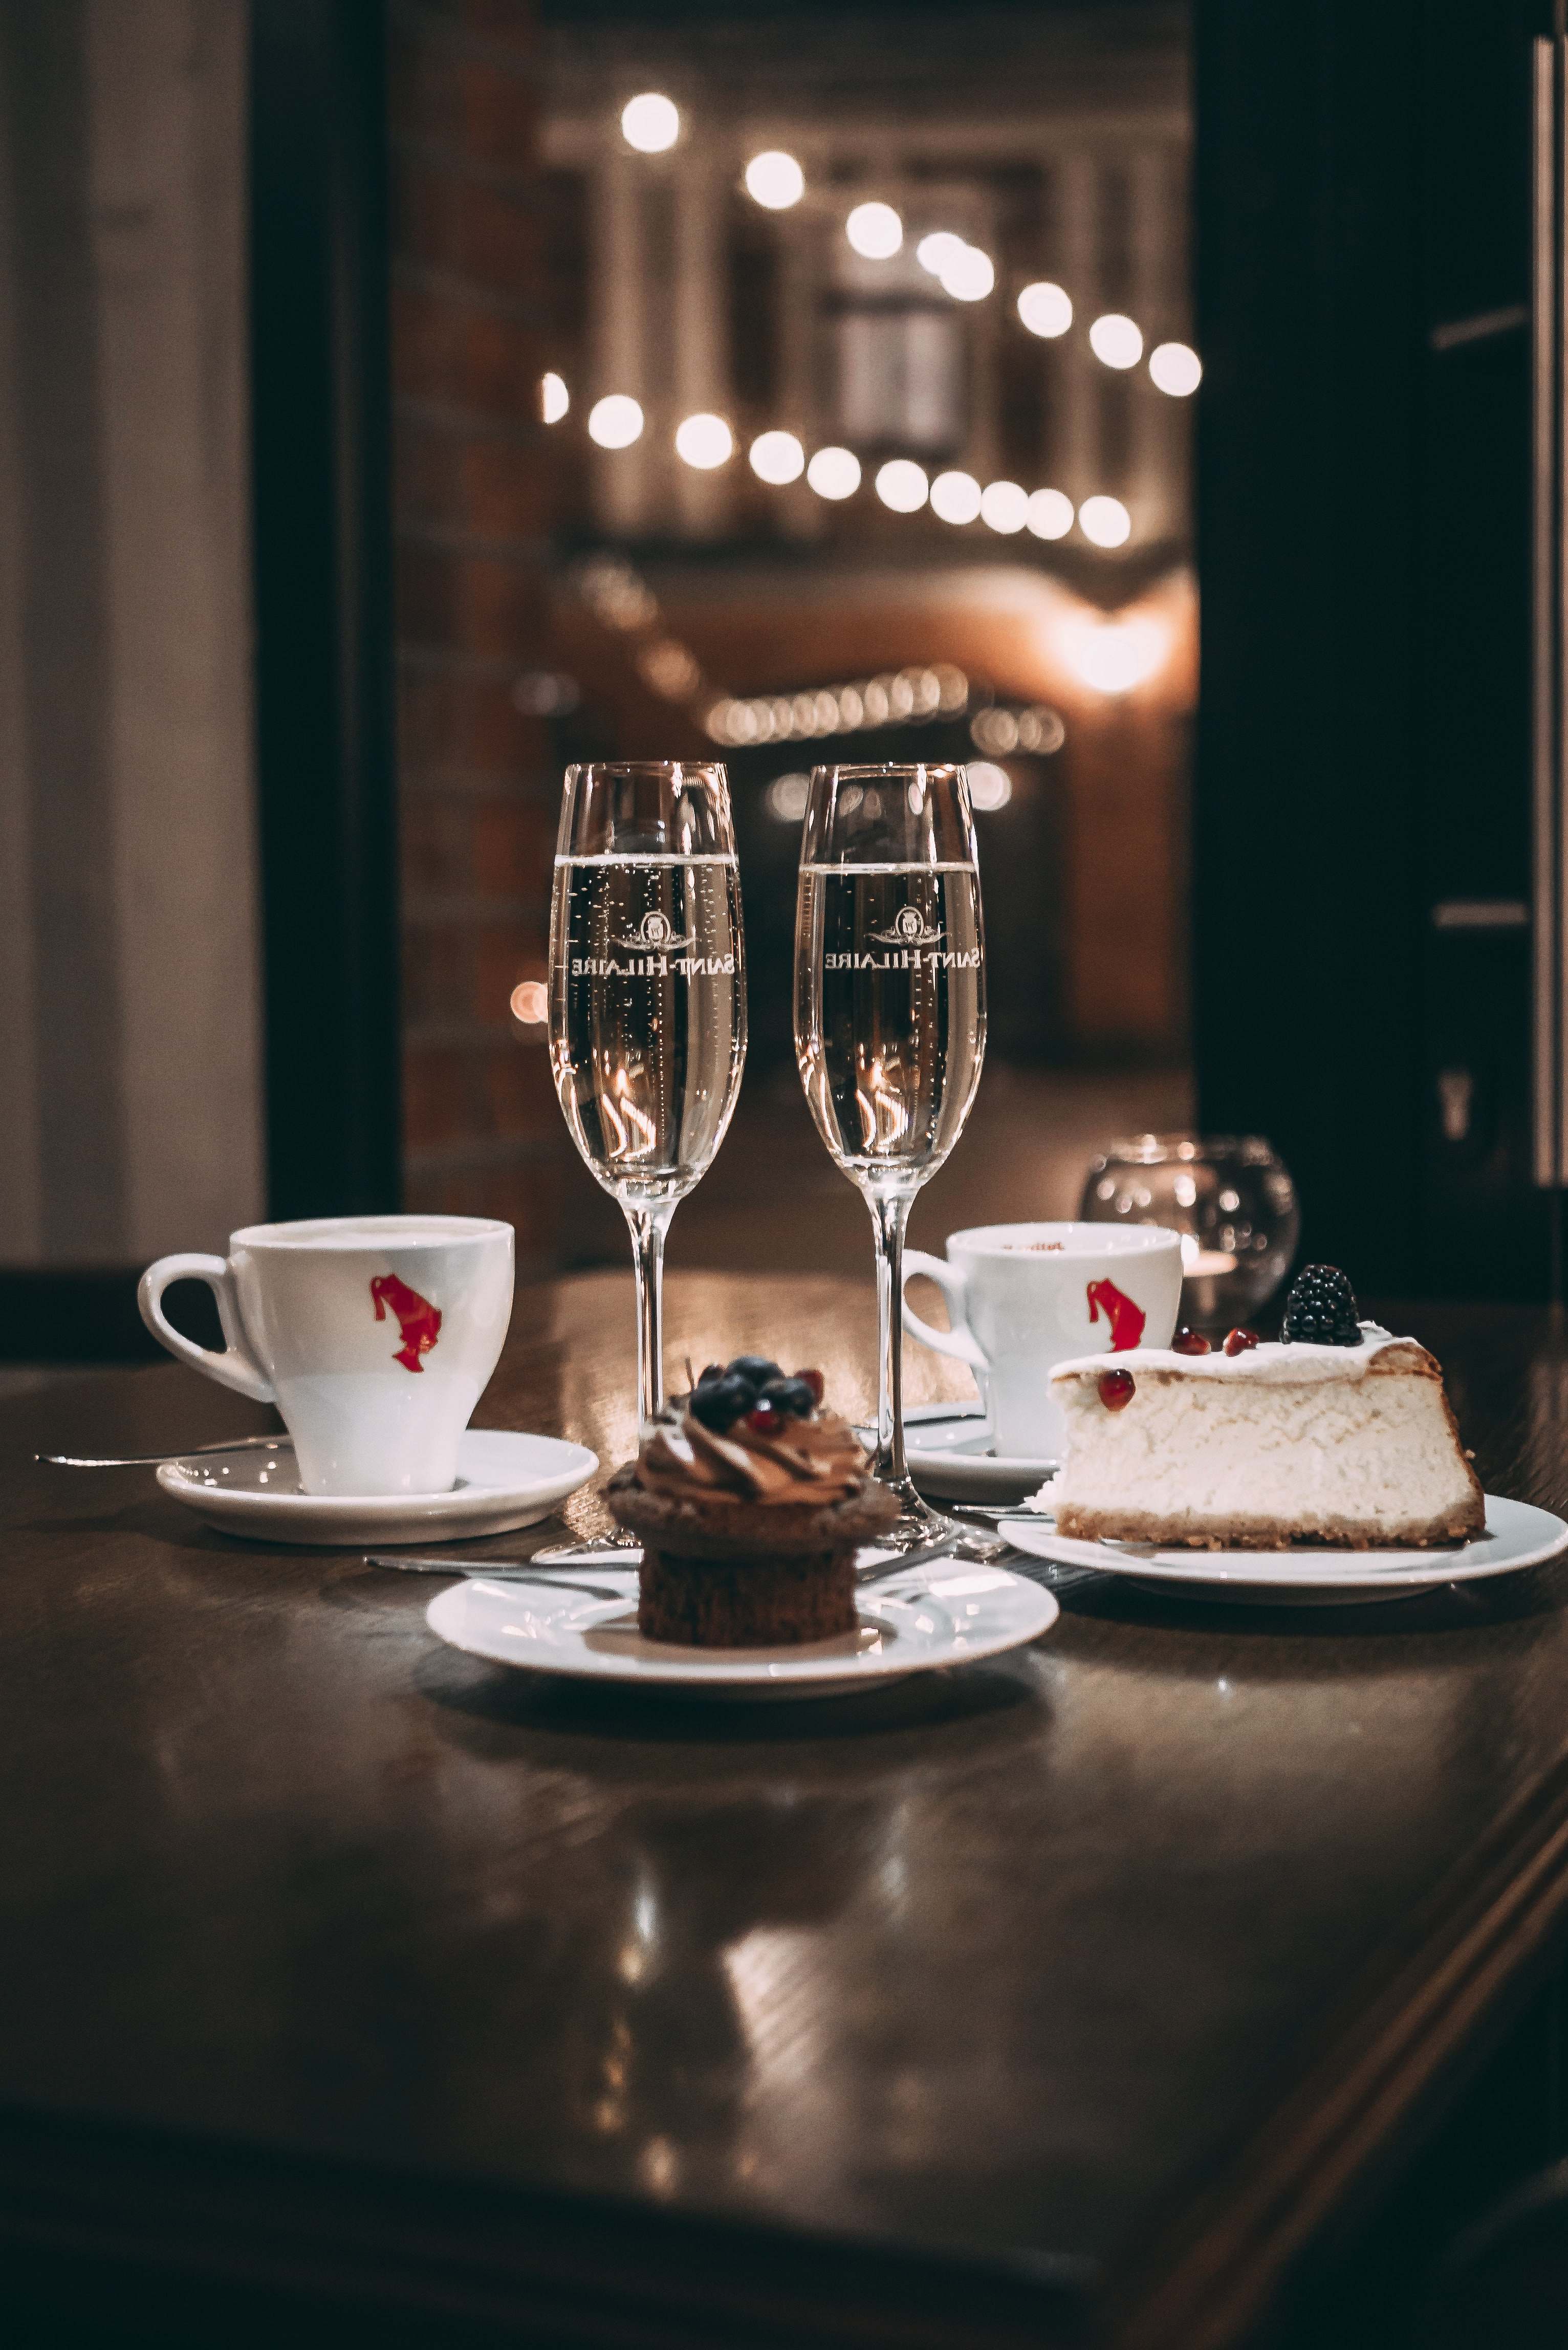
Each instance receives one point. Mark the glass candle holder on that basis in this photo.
(1231, 1198)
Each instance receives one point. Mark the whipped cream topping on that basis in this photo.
(1271, 1363)
(818, 1461)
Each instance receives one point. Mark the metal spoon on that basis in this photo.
(483, 1570)
(156, 1460)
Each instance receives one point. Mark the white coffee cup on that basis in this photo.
(1022, 1298)
(375, 1337)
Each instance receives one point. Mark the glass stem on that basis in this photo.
(889, 1218)
(647, 1226)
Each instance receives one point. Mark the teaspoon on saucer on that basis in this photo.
(156, 1460)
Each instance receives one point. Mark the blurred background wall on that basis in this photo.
(130, 1044)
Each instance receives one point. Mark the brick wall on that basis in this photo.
(483, 1133)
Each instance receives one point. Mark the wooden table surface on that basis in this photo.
(1077, 1991)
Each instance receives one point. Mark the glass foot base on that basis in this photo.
(918, 1527)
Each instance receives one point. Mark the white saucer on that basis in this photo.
(949, 1448)
(945, 1613)
(1517, 1536)
(504, 1479)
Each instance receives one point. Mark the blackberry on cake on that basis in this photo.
(750, 1499)
(1321, 1310)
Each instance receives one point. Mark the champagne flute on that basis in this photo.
(647, 1008)
(890, 1024)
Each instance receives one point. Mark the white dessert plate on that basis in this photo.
(949, 1448)
(1517, 1536)
(504, 1479)
(914, 1621)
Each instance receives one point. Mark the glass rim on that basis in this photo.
(1185, 1144)
(878, 770)
(661, 767)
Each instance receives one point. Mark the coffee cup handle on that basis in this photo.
(235, 1367)
(957, 1341)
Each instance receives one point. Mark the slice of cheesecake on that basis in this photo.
(1348, 1444)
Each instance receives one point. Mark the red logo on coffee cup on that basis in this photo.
(1127, 1320)
(418, 1321)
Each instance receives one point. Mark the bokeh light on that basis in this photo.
(955, 497)
(902, 485)
(990, 786)
(969, 276)
(874, 231)
(1104, 522)
(935, 251)
(833, 473)
(614, 422)
(553, 399)
(1050, 513)
(531, 1003)
(704, 441)
(777, 457)
(786, 796)
(774, 180)
(1176, 369)
(1004, 506)
(651, 122)
(1114, 656)
(1116, 340)
(1045, 310)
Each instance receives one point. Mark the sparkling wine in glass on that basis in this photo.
(890, 1023)
(648, 1004)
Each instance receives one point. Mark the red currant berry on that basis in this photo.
(1116, 1389)
(766, 1420)
(815, 1381)
(1190, 1342)
(1240, 1341)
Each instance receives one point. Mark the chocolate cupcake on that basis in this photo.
(750, 1501)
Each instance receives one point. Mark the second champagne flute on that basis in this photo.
(648, 1007)
(889, 1023)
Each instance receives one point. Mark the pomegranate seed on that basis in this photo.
(1190, 1342)
(1240, 1341)
(1116, 1389)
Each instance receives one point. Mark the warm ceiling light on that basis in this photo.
(955, 497)
(833, 473)
(774, 180)
(1176, 369)
(704, 441)
(1116, 340)
(969, 276)
(1050, 514)
(777, 457)
(1004, 506)
(651, 122)
(1114, 656)
(616, 422)
(901, 484)
(1044, 308)
(553, 399)
(934, 253)
(1104, 522)
(874, 231)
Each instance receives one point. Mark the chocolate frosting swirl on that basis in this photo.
(816, 1462)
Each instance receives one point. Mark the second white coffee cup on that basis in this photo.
(1022, 1298)
(375, 1337)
